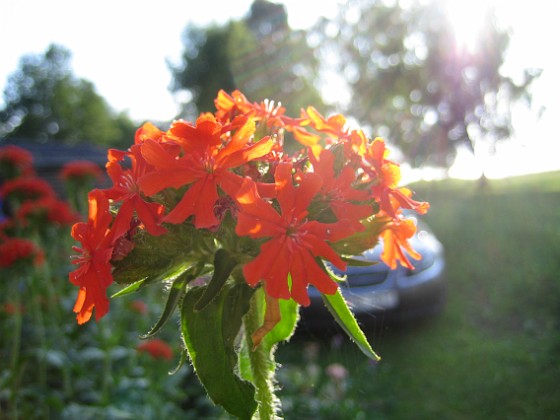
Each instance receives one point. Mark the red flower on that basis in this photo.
(13, 308)
(334, 126)
(14, 250)
(8, 228)
(148, 132)
(337, 191)
(60, 212)
(15, 162)
(386, 175)
(308, 139)
(126, 190)
(93, 274)
(139, 307)
(81, 169)
(395, 236)
(26, 189)
(156, 348)
(205, 165)
(229, 106)
(294, 241)
(46, 210)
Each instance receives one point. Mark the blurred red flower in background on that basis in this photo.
(46, 210)
(26, 189)
(15, 162)
(156, 348)
(13, 250)
(139, 307)
(81, 169)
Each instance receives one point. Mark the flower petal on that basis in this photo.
(154, 182)
(199, 201)
(150, 215)
(257, 218)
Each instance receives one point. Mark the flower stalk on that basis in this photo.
(262, 362)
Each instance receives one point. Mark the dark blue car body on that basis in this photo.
(376, 292)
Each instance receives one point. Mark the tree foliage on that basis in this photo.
(412, 80)
(45, 101)
(260, 55)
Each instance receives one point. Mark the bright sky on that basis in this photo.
(122, 47)
(534, 43)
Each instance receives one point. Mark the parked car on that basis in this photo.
(376, 292)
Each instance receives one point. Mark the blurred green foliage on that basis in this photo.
(45, 101)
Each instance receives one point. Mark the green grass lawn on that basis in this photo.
(495, 350)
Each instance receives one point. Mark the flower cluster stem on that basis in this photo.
(262, 361)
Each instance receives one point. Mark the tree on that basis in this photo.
(260, 55)
(206, 66)
(45, 101)
(413, 82)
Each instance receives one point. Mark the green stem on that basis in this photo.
(262, 361)
(40, 324)
(107, 365)
(14, 360)
(54, 314)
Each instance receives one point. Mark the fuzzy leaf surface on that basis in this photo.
(345, 318)
(209, 336)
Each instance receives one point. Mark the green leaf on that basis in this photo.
(134, 287)
(176, 293)
(224, 263)
(361, 241)
(170, 274)
(358, 262)
(339, 309)
(182, 360)
(244, 355)
(289, 309)
(209, 337)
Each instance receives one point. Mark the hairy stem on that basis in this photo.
(262, 361)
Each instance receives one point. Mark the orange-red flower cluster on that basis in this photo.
(294, 207)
